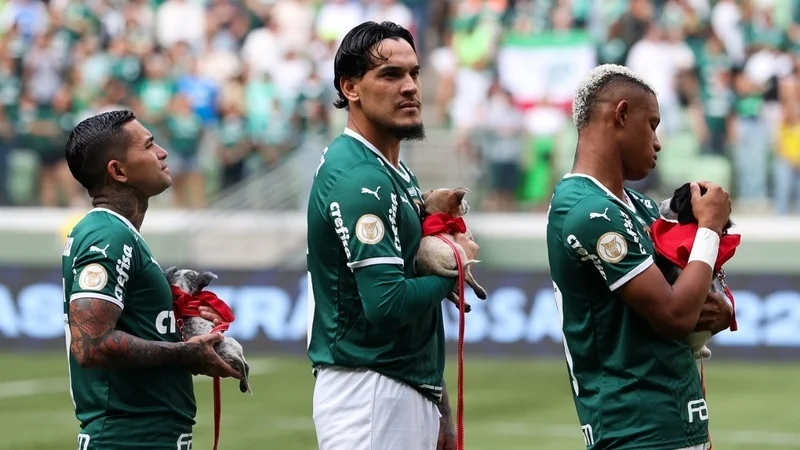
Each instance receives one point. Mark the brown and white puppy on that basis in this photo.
(435, 256)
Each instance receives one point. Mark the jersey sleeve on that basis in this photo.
(363, 212)
(102, 265)
(601, 232)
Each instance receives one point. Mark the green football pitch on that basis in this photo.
(509, 404)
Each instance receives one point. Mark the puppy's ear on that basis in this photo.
(205, 278)
(170, 272)
(426, 194)
(459, 193)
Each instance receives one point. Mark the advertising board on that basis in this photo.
(519, 318)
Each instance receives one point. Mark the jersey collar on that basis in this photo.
(118, 216)
(400, 169)
(627, 201)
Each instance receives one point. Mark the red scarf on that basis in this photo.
(187, 305)
(674, 242)
(443, 223)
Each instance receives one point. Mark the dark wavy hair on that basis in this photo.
(93, 143)
(359, 52)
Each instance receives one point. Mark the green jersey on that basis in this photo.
(633, 388)
(364, 217)
(106, 258)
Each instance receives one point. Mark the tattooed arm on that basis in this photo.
(447, 432)
(96, 343)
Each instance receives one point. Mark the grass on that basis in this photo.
(509, 404)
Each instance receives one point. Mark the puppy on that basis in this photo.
(435, 256)
(231, 351)
(679, 209)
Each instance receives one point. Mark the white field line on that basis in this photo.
(27, 388)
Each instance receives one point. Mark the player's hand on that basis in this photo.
(447, 436)
(207, 361)
(468, 244)
(208, 313)
(715, 315)
(712, 210)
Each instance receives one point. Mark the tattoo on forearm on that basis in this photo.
(96, 343)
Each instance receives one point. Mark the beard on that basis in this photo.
(407, 132)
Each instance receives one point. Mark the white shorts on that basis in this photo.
(697, 447)
(358, 409)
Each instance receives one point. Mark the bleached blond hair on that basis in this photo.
(594, 82)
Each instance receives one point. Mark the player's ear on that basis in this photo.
(621, 112)
(116, 171)
(349, 87)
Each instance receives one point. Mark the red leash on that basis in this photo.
(461, 327)
(187, 305)
(435, 225)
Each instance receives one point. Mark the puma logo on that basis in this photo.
(371, 192)
(99, 250)
(597, 215)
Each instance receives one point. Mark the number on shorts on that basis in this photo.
(83, 441)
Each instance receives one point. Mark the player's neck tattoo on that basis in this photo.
(128, 204)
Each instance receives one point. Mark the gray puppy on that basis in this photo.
(230, 350)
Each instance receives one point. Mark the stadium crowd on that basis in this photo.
(231, 87)
(726, 73)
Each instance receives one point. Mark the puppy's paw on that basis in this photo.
(453, 297)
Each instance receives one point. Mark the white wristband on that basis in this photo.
(706, 247)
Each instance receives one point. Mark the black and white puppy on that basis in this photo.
(230, 350)
(678, 209)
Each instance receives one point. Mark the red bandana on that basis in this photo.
(674, 242)
(443, 223)
(186, 305)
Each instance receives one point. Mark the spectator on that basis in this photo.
(257, 75)
(787, 158)
(752, 140)
(502, 141)
(184, 131)
(6, 142)
(180, 20)
(234, 146)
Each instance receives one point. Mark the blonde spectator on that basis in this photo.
(787, 158)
